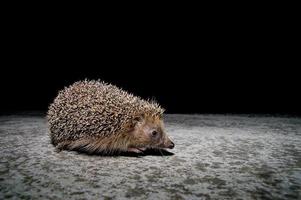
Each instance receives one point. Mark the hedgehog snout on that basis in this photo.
(172, 145)
(169, 144)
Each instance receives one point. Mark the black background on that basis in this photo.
(227, 64)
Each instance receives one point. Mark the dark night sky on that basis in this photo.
(219, 68)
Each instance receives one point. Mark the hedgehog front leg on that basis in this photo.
(134, 150)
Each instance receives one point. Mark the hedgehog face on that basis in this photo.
(149, 133)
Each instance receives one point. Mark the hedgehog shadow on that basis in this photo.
(148, 152)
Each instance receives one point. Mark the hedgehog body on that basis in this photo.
(94, 116)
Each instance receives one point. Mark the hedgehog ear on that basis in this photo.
(137, 119)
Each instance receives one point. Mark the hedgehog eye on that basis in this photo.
(154, 133)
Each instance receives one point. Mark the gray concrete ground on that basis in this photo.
(216, 157)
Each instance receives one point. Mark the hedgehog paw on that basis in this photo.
(135, 150)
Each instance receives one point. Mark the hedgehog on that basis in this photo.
(96, 117)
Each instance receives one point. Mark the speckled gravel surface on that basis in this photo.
(216, 157)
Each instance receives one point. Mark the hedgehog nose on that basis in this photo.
(172, 145)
